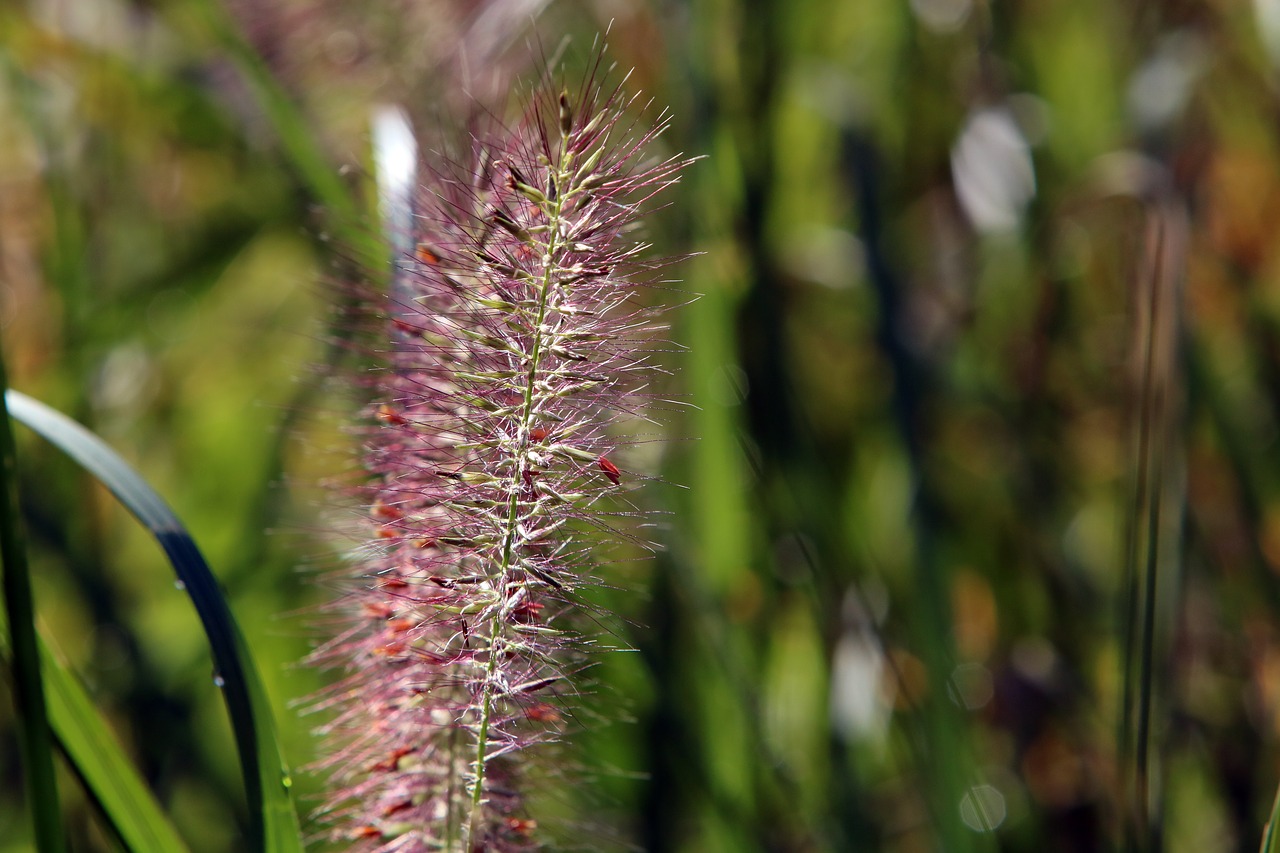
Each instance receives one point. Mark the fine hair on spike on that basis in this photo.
(517, 336)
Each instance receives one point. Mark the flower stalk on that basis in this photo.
(518, 339)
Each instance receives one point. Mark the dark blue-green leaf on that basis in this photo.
(266, 779)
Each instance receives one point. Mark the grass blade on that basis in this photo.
(1270, 837)
(105, 771)
(274, 825)
(36, 740)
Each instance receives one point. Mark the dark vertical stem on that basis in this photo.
(1146, 674)
(1137, 581)
(37, 740)
(944, 740)
(1151, 561)
(761, 346)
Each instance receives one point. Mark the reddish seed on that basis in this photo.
(391, 762)
(388, 811)
(394, 583)
(521, 827)
(530, 492)
(365, 832)
(399, 626)
(538, 434)
(378, 610)
(610, 470)
(543, 713)
(390, 650)
(388, 415)
(427, 255)
(528, 610)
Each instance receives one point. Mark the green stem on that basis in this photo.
(502, 612)
(37, 741)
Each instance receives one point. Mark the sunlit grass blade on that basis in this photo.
(106, 772)
(274, 821)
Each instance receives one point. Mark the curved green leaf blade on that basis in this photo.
(274, 821)
(107, 773)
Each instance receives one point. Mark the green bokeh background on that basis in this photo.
(924, 458)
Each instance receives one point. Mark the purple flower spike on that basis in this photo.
(517, 337)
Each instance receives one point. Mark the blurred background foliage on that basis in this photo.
(978, 416)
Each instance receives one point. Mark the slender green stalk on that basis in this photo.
(37, 741)
(1151, 573)
(501, 615)
(1141, 572)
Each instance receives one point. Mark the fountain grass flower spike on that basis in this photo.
(520, 335)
